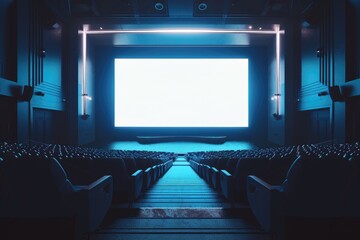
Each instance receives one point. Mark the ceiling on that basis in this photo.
(178, 8)
(175, 14)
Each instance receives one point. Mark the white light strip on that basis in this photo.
(278, 68)
(83, 92)
(182, 31)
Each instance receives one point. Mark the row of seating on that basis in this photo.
(227, 171)
(47, 182)
(132, 171)
(38, 190)
(320, 183)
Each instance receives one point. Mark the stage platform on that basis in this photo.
(179, 147)
(201, 139)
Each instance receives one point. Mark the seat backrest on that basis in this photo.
(117, 169)
(34, 187)
(249, 166)
(278, 168)
(143, 163)
(130, 164)
(314, 187)
(353, 189)
(79, 169)
(231, 165)
(221, 163)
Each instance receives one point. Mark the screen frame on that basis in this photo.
(258, 90)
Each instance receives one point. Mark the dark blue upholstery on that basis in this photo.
(38, 188)
(316, 189)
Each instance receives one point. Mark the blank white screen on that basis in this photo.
(181, 92)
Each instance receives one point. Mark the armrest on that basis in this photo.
(168, 165)
(148, 170)
(226, 184)
(155, 174)
(207, 172)
(215, 178)
(266, 202)
(225, 173)
(93, 201)
(147, 178)
(137, 173)
(136, 185)
(103, 182)
(257, 183)
(161, 169)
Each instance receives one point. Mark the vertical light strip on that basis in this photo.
(83, 91)
(278, 69)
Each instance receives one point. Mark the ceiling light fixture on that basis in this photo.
(159, 6)
(181, 31)
(202, 6)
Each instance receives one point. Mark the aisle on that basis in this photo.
(180, 206)
(181, 187)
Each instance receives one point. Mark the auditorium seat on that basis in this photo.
(37, 190)
(278, 168)
(208, 164)
(234, 183)
(318, 193)
(136, 179)
(225, 178)
(127, 180)
(146, 164)
(219, 165)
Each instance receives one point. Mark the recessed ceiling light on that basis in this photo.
(101, 28)
(250, 27)
(159, 6)
(202, 6)
(260, 28)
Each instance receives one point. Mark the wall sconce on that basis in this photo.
(276, 97)
(42, 53)
(277, 116)
(85, 116)
(85, 98)
(319, 52)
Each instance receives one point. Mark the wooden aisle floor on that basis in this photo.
(180, 206)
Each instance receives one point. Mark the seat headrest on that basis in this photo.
(34, 187)
(315, 186)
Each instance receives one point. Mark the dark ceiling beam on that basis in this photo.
(226, 9)
(136, 10)
(69, 7)
(267, 7)
(186, 20)
(94, 8)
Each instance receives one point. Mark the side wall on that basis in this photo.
(31, 56)
(329, 57)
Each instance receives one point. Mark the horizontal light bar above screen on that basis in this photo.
(182, 31)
